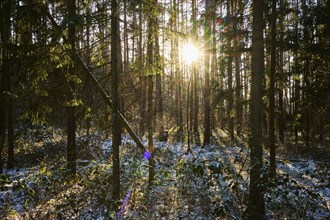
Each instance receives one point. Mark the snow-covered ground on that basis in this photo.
(203, 183)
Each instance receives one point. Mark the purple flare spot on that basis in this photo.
(123, 206)
(146, 155)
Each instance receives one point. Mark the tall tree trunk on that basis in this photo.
(238, 87)
(271, 123)
(214, 67)
(150, 71)
(10, 126)
(306, 77)
(195, 105)
(88, 84)
(71, 111)
(159, 99)
(142, 75)
(207, 51)
(296, 77)
(230, 114)
(4, 77)
(178, 82)
(256, 197)
(115, 71)
(280, 81)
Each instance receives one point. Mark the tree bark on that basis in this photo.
(159, 95)
(115, 71)
(71, 111)
(207, 51)
(256, 209)
(195, 100)
(214, 68)
(151, 68)
(4, 77)
(271, 123)
(280, 80)
(230, 114)
(238, 87)
(142, 98)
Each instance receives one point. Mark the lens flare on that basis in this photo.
(190, 53)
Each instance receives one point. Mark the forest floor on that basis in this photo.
(203, 183)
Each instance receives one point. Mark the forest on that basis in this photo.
(165, 109)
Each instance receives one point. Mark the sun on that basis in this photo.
(190, 53)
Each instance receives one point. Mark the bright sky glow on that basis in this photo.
(190, 53)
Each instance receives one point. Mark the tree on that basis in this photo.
(115, 71)
(256, 209)
(237, 45)
(207, 42)
(152, 68)
(271, 123)
(71, 105)
(176, 70)
(159, 96)
(4, 74)
(194, 87)
(230, 75)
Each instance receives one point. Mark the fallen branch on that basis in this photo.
(99, 87)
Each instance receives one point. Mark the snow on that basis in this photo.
(205, 183)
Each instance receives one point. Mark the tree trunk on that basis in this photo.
(280, 81)
(271, 123)
(230, 114)
(142, 76)
(207, 39)
(256, 206)
(115, 71)
(159, 99)
(71, 111)
(151, 67)
(214, 68)
(195, 105)
(10, 127)
(238, 87)
(177, 83)
(4, 77)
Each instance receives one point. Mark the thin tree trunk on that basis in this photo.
(178, 98)
(5, 35)
(10, 127)
(194, 88)
(71, 110)
(142, 75)
(159, 99)
(115, 71)
(87, 84)
(280, 82)
(214, 69)
(306, 77)
(256, 206)
(207, 51)
(271, 123)
(238, 87)
(230, 115)
(150, 71)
